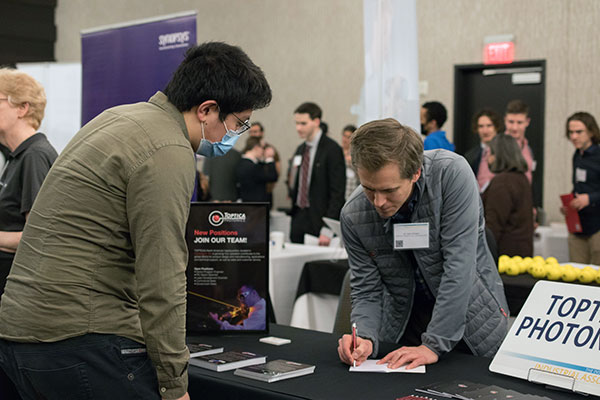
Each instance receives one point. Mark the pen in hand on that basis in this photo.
(354, 341)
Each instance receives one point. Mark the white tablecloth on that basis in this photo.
(285, 268)
(551, 241)
(280, 222)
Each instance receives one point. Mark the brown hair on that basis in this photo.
(507, 155)
(517, 107)
(21, 88)
(492, 115)
(251, 143)
(590, 124)
(377, 143)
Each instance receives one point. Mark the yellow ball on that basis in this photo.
(553, 273)
(598, 277)
(586, 275)
(503, 258)
(538, 271)
(539, 259)
(569, 273)
(551, 260)
(513, 269)
(517, 258)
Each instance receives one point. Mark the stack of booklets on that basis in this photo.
(228, 360)
(202, 349)
(274, 371)
(465, 390)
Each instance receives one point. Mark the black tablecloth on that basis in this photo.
(322, 276)
(331, 379)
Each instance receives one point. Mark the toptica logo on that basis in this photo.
(216, 218)
(173, 40)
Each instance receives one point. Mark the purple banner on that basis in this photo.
(128, 63)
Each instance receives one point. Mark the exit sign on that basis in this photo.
(499, 53)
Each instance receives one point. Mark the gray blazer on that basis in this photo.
(457, 267)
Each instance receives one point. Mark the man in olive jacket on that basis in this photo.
(422, 274)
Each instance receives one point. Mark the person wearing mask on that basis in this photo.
(100, 275)
(507, 201)
(255, 170)
(582, 130)
(486, 124)
(29, 158)
(433, 117)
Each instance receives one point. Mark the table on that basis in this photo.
(318, 294)
(331, 379)
(551, 241)
(280, 222)
(285, 267)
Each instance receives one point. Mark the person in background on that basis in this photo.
(582, 130)
(516, 121)
(433, 117)
(29, 158)
(255, 170)
(351, 178)
(221, 175)
(257, 129)
(486, 124)
(507, 201)
(422, 274)
(100, 275)
(318, 177)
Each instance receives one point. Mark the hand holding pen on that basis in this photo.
(352, 349)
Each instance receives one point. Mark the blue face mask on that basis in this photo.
(217, 149)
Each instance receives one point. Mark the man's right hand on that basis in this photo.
(186, 396)
(364, 348)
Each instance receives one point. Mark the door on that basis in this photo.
(493, 86)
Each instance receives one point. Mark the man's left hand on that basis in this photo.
(412, 356)
(580, 201)
(324, 240)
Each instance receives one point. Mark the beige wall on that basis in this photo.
(313, 50)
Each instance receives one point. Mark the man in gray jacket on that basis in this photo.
(422, 273)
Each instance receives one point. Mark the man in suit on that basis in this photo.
(317, 177)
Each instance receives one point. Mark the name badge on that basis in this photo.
(580, 175)
(411, 236)
(297, 161)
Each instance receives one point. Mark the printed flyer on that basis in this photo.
(227, 274)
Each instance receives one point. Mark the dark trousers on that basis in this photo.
(91, 366)
(301, 224)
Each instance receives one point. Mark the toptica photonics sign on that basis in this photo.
(556, 338)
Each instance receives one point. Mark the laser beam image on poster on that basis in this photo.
(227, 267)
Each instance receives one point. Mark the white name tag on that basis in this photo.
(411, 236)
(297, 161)
(580, 175)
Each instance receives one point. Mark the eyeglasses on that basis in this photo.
(244, 125)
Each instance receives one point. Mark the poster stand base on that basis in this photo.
(553, 379)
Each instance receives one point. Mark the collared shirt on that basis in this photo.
(586, 179)
(437, 140)
(313, 151)
(104, 249)
(528, 156)
(21, 179)
(484, 175)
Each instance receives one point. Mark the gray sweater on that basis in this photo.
(457, 267)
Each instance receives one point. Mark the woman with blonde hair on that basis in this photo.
(22, 104)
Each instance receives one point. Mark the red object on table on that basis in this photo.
(572, 217)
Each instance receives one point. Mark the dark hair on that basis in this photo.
(507, 155)
(256, 123)
(436, 111)
(517, 107)
(324, 127)
(378, 143)
(492, 115)
(349, 128)
(221, 72)
(251, 143)
(590, 124)
(313, 110)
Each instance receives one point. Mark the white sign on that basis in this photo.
(411, 236)
(555, 339)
